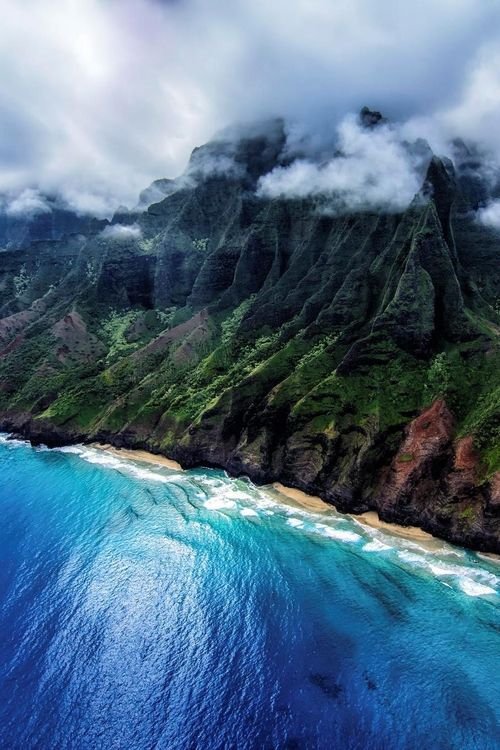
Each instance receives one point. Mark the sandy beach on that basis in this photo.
(309, 502)
(139, 455)
(372, 519)
(489, 557)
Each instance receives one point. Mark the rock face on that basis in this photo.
(370, 118)
(436, 481)
(421, 455)
(353, 356)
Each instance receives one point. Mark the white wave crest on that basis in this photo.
(11, 442)
(376, 546)
(340, 534)
(248, 512)
(219, 503)
(473, 588)
(295, 522)
(69, 449)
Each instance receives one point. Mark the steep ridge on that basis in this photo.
(354, 356)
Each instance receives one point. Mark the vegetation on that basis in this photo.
(112, 331)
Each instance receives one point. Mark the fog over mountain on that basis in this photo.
(104, 97)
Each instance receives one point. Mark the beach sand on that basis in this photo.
(139, 455)
(489, 557)
(372, 519)
(309, 502)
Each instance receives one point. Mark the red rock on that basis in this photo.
(426, 436)
(466, 458)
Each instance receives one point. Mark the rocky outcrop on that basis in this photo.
(74, 343)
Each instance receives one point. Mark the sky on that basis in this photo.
(100, 97)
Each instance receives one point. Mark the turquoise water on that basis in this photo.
(146, 608)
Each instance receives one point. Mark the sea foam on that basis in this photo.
(473, 588)
(219, 503)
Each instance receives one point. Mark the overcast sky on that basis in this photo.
(99, 97)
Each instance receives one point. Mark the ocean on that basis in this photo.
(142, 607)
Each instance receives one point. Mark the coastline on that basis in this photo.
(370, 518)
(287, 495)
(311, 503)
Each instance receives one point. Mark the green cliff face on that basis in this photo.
(352, 356)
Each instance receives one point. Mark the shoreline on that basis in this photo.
(311, 503)
(369, 518)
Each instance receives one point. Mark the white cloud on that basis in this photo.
(490, 215)
(28, 202)
(122, 232)
(100, 97)
(476, 114)
(373, 169)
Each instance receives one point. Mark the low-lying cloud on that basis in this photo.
(373, 169)
(122, 232)
(490, 215)
(28, 202)
(99, 97)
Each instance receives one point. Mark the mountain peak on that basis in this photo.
(370, 118)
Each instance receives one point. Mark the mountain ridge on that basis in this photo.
(350, 355)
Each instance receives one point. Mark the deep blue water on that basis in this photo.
(146, 608)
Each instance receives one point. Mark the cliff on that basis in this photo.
(355, 356)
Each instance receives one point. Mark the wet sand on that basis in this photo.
(372, 519)
(489, 557)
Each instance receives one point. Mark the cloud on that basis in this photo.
(100, 97)
(122, 232)
(373, 169)
(28, 202)
(490, 215)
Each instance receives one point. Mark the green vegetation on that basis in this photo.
(21, 282)
(112, 331)
(231, 324)
(406, 458)
(201, 244)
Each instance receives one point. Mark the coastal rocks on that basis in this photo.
(38, 431)
(494, 500)
(464, 476)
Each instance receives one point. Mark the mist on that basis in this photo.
(372, 169)
(100, 97)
